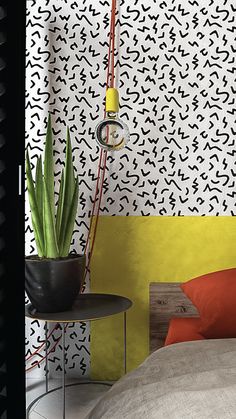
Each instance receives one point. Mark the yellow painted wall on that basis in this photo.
(130, 252)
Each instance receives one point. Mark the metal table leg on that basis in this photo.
(63, 370)
(46, 355)
(125, 360)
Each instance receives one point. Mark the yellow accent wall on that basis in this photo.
(130, 252)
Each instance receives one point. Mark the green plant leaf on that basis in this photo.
(36, 221)
(50, 237)
(68, 190)
(39, 186)
(71, 221)
(59, 206)
(49, 165)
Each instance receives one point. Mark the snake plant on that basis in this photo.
(52, 224)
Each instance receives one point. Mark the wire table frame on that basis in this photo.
(88, 307)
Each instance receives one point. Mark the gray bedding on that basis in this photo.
(190, 380)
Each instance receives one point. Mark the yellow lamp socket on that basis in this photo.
(112, 100)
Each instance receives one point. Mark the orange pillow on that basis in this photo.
(214, 295)
(183, 329)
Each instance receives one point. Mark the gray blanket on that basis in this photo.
(190, 380)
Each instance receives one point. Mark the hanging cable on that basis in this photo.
(112, 133)
(42, 345)
(110, 79)
(102, 153)
(44, 357)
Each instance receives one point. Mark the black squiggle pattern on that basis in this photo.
(176, 69)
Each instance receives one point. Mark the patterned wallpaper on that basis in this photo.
(175, 71)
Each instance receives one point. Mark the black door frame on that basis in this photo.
(12, 144)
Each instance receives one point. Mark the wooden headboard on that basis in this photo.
(167, 300)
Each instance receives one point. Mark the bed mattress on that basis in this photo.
(190, 380)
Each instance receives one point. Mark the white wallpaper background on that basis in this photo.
(176, 74)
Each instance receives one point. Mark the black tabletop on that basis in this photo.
(87, 307)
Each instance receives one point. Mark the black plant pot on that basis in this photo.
(52, 285)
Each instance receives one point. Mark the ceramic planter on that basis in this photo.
(52, 285)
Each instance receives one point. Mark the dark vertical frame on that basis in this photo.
(12, 134)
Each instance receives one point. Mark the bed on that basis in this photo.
(194, 379)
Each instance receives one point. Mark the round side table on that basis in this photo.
(87, 307)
